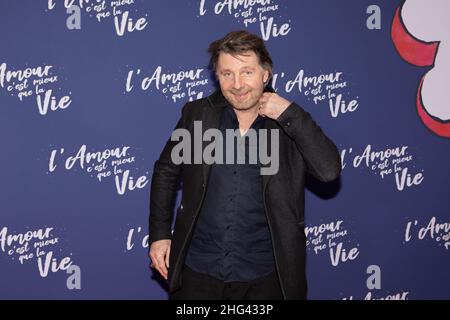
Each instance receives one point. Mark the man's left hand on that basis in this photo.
(271, 105)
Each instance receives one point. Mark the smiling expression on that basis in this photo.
(242, 79)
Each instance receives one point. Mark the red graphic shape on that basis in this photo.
(438, 127)
(422, 54)
(414, 51)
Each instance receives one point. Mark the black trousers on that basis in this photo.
(198, 286)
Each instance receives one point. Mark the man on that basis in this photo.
(239, 234)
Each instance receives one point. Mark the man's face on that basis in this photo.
(241, 79)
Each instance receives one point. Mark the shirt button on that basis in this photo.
(288, 124)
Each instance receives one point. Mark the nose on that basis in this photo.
(237, 84)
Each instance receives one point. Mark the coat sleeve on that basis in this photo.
(163, 190)
(321, 155)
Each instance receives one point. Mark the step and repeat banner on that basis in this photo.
(90, 90)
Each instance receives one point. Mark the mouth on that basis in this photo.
(240, 96)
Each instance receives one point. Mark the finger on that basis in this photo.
(261, 112)
(152, 259)
(266, 95)
(155, 262)
(161, 266)
(160, 271)
(167, 257)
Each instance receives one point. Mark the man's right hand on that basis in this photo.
(159, 254)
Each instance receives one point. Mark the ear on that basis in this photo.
(266, 75)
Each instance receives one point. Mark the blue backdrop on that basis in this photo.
(90, 91)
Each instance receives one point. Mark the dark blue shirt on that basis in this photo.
(231, 240)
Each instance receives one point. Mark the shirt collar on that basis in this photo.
(257, 123)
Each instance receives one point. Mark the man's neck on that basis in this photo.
(246, 118)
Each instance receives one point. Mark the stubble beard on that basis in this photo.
(246, 105)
